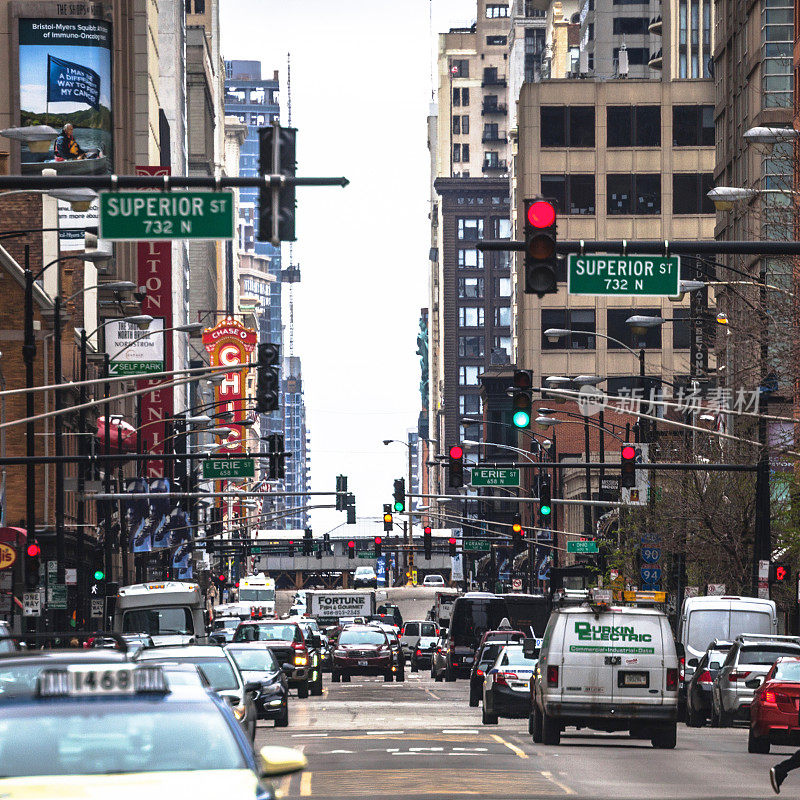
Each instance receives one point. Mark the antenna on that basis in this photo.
(290, 277)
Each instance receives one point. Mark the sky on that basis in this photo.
(361, 92)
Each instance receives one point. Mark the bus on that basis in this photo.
(256, 596)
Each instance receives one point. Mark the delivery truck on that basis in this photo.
(329, 606)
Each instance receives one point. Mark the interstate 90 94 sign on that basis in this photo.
(641, 276)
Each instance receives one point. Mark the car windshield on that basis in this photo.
(362, 637)
(115, 737)
(266, 633)
(253, 660)
(257, 595)
(763, 656)
(514, 657)
(705, 625)
(490, 652)
(228, 623)
(218, 670)
(158, 621)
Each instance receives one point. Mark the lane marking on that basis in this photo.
(305, 784)
(512, 747)
(432, 694)
(460, 730)
(564, 787)
(381, 733)
(309, 735)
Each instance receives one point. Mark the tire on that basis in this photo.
(536, 724)
(387, 676)
(474, 700)
(283, 720)
(449, 675)
(335, 677)
(438, 677)
(757, 744)
(693, 719)
(345, 677)
(316, 687)
(302, 690)
(414, 667)
(551, 730)
(488, 719)
(666, 737)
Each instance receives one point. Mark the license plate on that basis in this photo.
(108, 680)
(468, 660)
(635, 679)
(363, 663)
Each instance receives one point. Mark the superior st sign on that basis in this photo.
(149, 215)
(641, 276)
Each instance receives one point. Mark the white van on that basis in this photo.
(608, 668)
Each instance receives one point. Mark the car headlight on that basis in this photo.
(239, 712)
(300, 661)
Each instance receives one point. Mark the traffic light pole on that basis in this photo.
(651, 246)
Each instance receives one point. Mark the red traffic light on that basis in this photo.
(456, 451)
(451, 540)
(351, 545)
(541, 214)
(378, 540)
(427, 530)
(629, 452)
(780, 573)
(34, 550)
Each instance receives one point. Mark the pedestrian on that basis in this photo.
(778, 773)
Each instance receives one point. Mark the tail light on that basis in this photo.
(769, 699)
(552, 675)
(403, 631)
(672, 679)
(705, 677)
(738, 675)
(451, 647)
(500, 679)
(419, 652)
(479, 672)
(682, 668)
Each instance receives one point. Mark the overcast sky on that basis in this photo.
(361, 91)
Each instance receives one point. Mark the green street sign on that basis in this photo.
(641, 276)
(582, 547)
(57, 596)
(366, 554)
(223, 468)
(149, 215)
(476, 546)
(495, 476)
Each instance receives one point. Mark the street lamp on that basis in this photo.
(725, 197)
(37, 137)
(770, 136)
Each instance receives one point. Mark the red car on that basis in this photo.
(775, 707)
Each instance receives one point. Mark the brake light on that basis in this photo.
(672, 679)
(737, 675)
(419, 652)
(403, 631)
(769, 699)
(500, 679)
(682, 668)
(705, 677)
(552, 675)
(479, 672)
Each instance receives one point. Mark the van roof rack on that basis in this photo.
(768, 637)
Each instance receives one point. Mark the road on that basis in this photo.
(421, 739)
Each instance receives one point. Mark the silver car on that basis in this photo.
(743, 670)
(412, 632)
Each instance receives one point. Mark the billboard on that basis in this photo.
(132, 351)
(65, 79)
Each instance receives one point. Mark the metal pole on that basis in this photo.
(410, 537)
(28, 355)
(108, 551)
(80, 550)
(602, 454)
(59, 615)
(587, 509)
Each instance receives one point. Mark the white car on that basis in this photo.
(433, 580)
(365, 576)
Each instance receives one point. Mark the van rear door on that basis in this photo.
(586, 674)
(638, 658)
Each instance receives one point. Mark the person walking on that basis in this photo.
(778, 773)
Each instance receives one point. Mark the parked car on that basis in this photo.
(774, 709)
(433, 580)
(365, 577)
(750, 657)
(507, 687)
(699, 687)
(439, 659)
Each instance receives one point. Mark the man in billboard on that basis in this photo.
(66, 148)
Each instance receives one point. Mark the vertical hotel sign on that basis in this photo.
(154, 263)
(228, 344)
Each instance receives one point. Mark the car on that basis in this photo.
(7, 643)
(413, 631)
(433, 580)
(422, 644)
(485, 656)
(311, 626)
(184, 674)
(439, 659)
(392, 612)
(399, 661)
(750, 657)
(774, 708)
(699, 686)
(607, 667)
(119, 728)
(473, 614)
(365, 577)
(362, 650)
(290, 646)
(222, 629)
(222, 673)
(507, 687)
(258, 665)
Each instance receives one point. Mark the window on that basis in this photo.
(571, 320)
(456, 124)
(470, 288)
(465, 124)
(456, 97)
(777, 36)
(496, 40)
(470, 230)
(630, 25)
(471, 433)
(692, 126)
(470, 317)
(470, 259)
(501, 228)
(567, 126)
(574, 194)
(634, 126)
(464, 97)
(690, 193)
(456, 152)
(620, 330)
(502, 287)
(502, 316)
(681, 329)
(496, 11)
(636, 55)
(503, 343)
(633, 194)
(459, 68)
(469, 404)
(465, 154)
(199, 6)
(471, 346)
(468, 376)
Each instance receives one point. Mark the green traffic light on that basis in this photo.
(522, 419)
(399, 506)
(99, 575)
(544, 511)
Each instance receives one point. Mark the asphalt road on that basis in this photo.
(369, 739)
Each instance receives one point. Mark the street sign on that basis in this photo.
(495, 476)
(651, 555)
(71, 576)
(31, 604)
(366, 554)
(133, 351)
(224, 468)
(96, 609)
(57, 596)
(476, 546)
(516, 584)
(641, 276)
(650, 575)
(148, 215)
(582, 547)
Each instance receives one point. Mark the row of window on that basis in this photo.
(473, 316)
(627, 126)
(630, 194)
(473, 288)
(471, 230)
(459, 68)
(474, 259)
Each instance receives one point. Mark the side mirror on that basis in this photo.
(529, 648)
(277, 761)
(754, 683)
(287, 669)
(692, 662)
(253, 686)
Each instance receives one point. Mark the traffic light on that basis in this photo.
(351, 509)
(455, 463)
(388, 520)
(32, 560)
(351, 549)
(628, 460)
(215, 521)
(427, 541)
(517, 534)
(341, 492)
(451, 542)
(545, 499)
(540, 247)
(308, 542)
(399, 495)
(378, 546)
(779, 573)
(277, 465)
(276, 205)
(267, 378)
(326, 542)
(521, 399)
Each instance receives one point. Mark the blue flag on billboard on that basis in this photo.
(160, 508)
(71, 83)
(138, 511)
